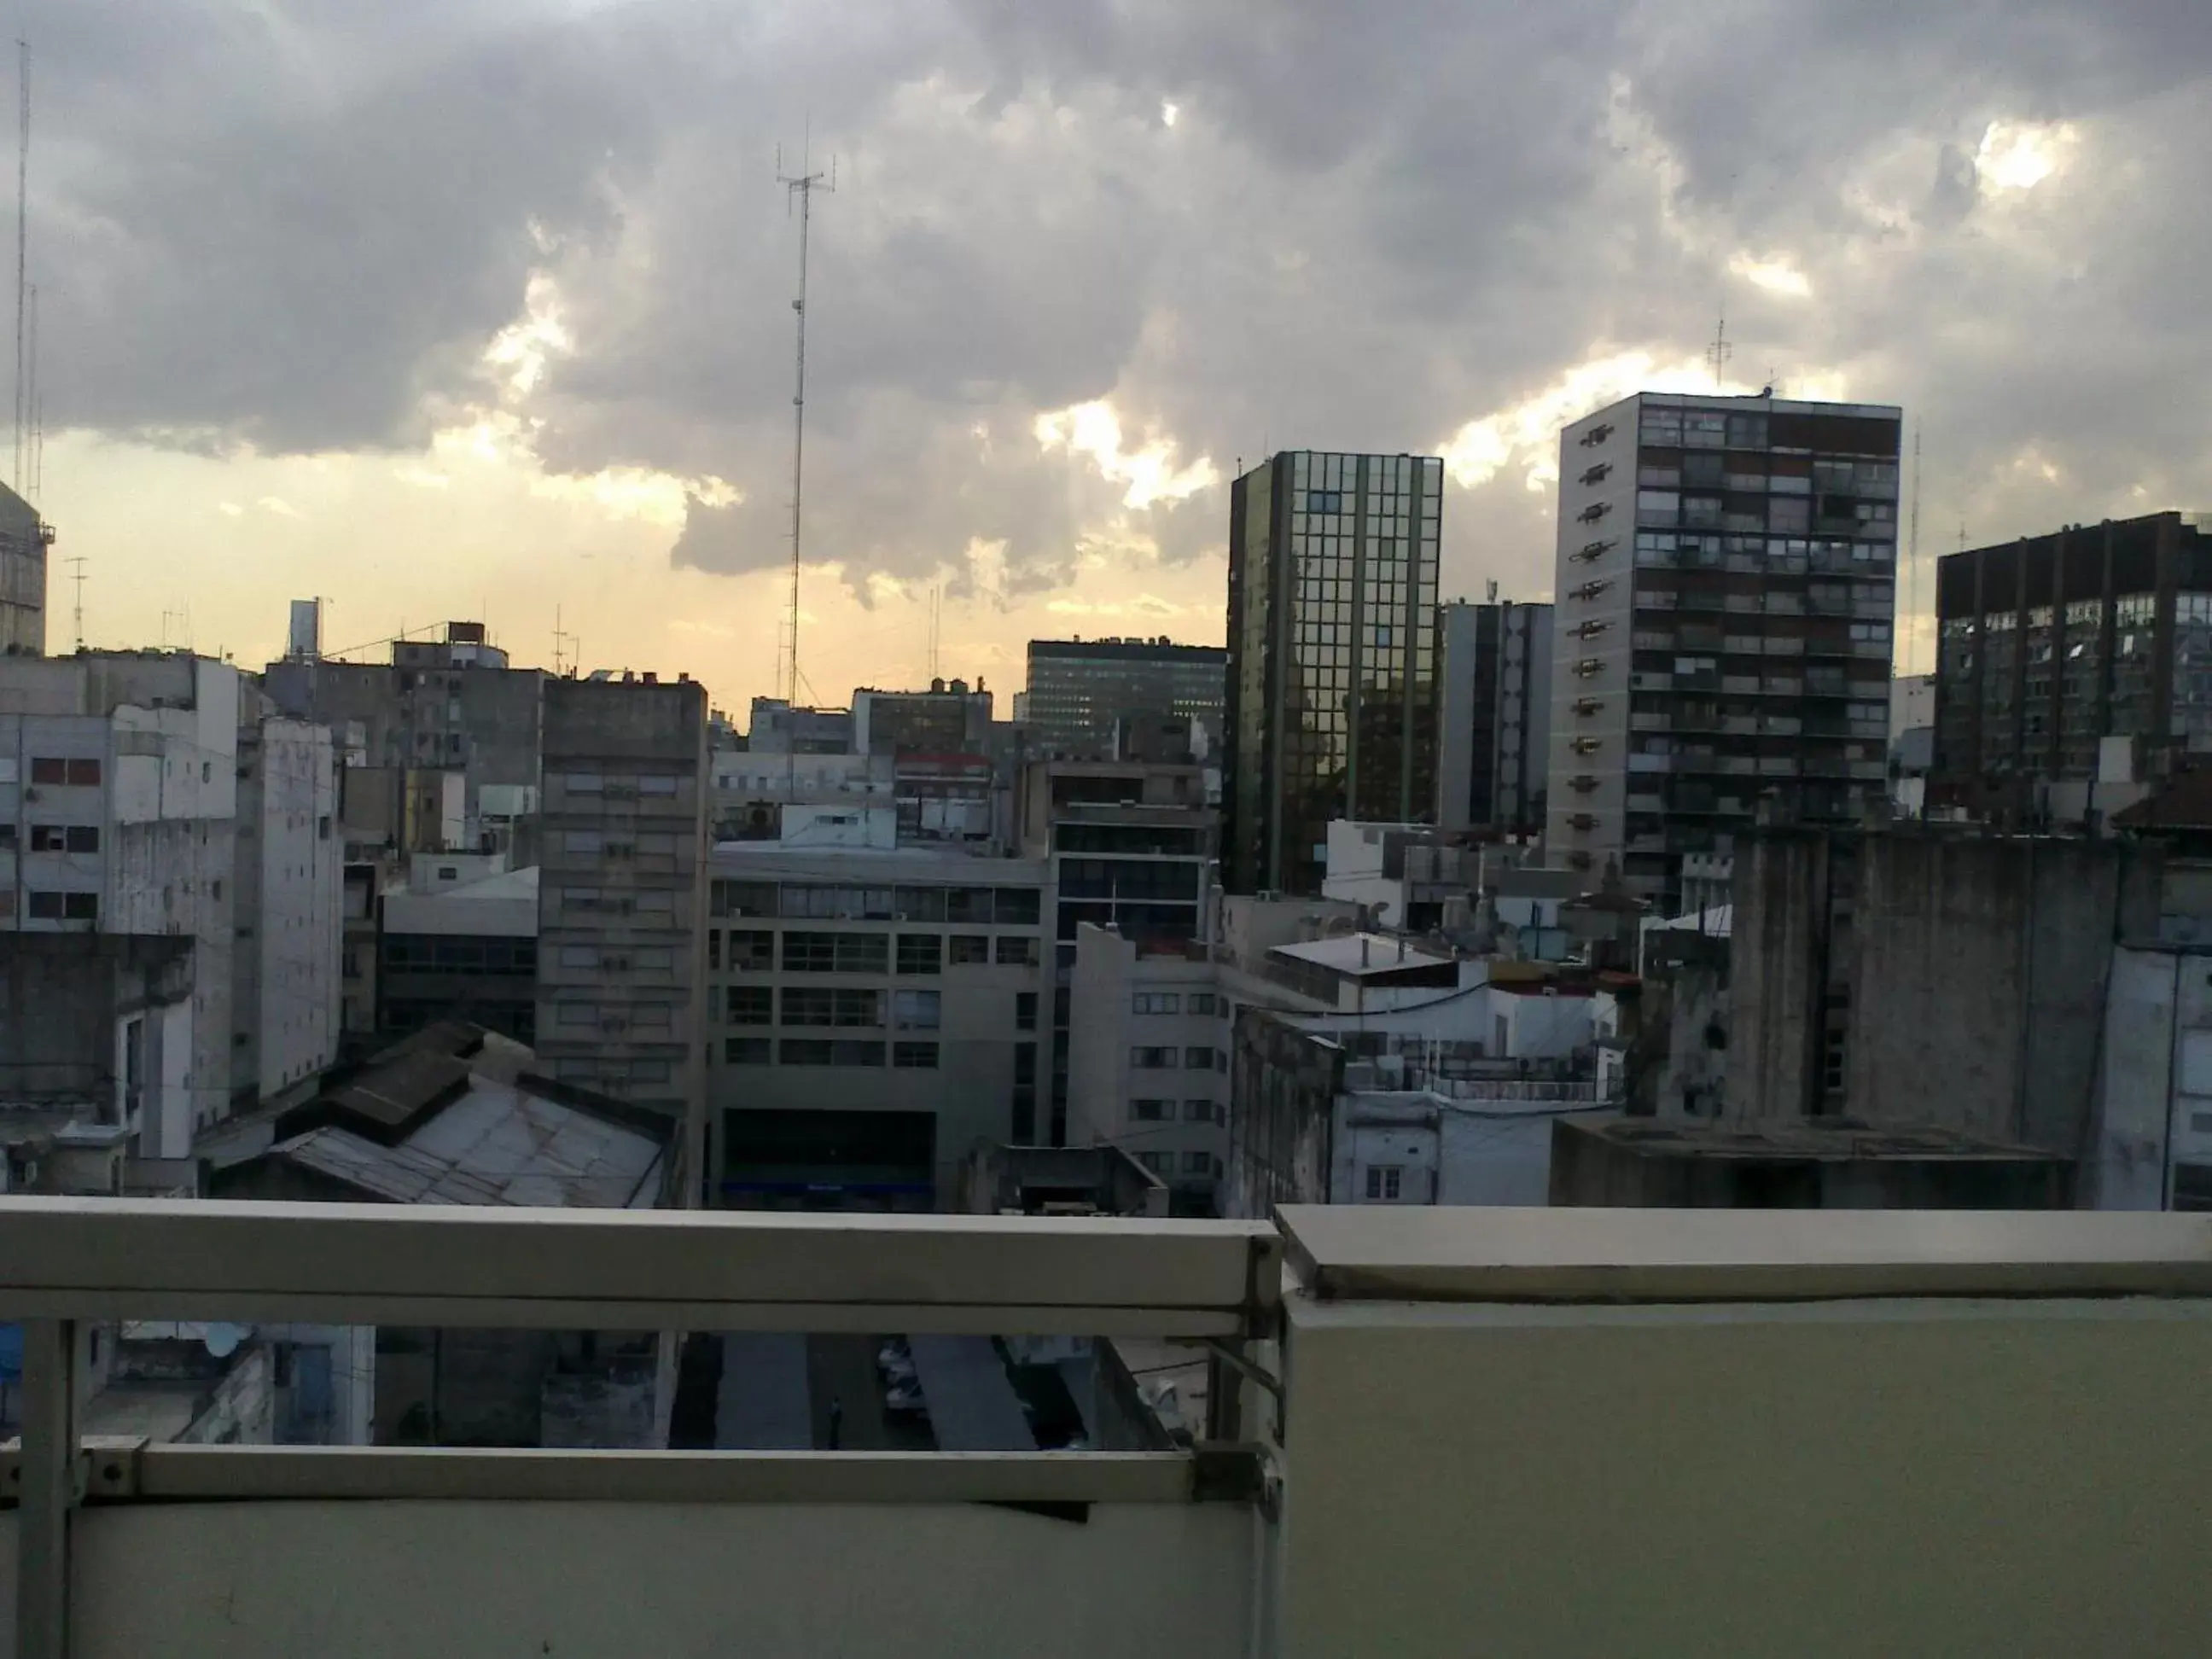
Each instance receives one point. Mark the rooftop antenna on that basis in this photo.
(1718, 353)
(30, 483)
(563, 642)
(22, 236)
(76, 576)
(799, 187)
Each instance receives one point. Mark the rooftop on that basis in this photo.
(1362, 955)
(1832, 1139)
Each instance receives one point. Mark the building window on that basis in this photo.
(970, 949)
(1198, 1060)
(1156, 1002)
(1015, 952)
(747, 1051)
(914, 1056)
(1025, 1010)
(656, 784)
(921, 953)
(81, 773)
(836, 953)
(748, 1005)
(1022, 1126)
(1015, 907)
(1198, 1111)
(8, 905)
(1025, 1063)
(1384, 1181)
(714, 950)
(1160, 1163)
(916, 1011)
(1151, 1111)
(1153, 1060)
(967, 904)
(577, 1013)
(810, 1005)
(1198, 1164)
(1199, 1002)
(824, 1051)
(651, 1016)
(751, 951)
(64, 838)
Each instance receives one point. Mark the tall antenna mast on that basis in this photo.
(76, 576)
(30, 484)
(23, 237)
(563, 642)
(1913, 542)
(1718, 353)
(800, 186)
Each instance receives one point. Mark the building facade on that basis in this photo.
(1494, 743)
(2053, 644)
(24, 539)
(622, 893)
(1726, 580)
(1079, 691)
(1129, 845)
(948, 719)
(463, 949)
(1333, 696)
(877, 1012)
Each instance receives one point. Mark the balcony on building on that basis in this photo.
(1426, 1432)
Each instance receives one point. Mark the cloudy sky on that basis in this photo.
(482, 307)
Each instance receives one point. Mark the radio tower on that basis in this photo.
(799, 187)
(23, 238)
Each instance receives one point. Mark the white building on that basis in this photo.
(1148, 1058)
(874, 1014)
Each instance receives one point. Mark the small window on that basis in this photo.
(1197, 1060)
(921, 953)
(1198, 1164)
(1158, 1002)
(970, 949)
(1015, 952)
(1015, 907)
(45, 769)
(748, 1005)
(1153, 1060)
(1384, 1181)
(83, 907)
(1198, 1111)
(656, 784)
(7, 902)
(1151, 1111)
(580, 956)
(748, 1051)
(914, 1056)
(45, 907)
(916, 1011)
(751, 951)
(714, 950)
(1025, 1010)
(1199, 1002)
(48, 838)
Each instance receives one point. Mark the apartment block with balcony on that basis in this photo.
(622, 932)
(1493, 741)
(1852, 1435)
(875, 1013)
(1725, 586)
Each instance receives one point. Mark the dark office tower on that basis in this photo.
(2068, 660)
(1332, 686)
(1493, 748)
(1080, 689)
(1727, 574)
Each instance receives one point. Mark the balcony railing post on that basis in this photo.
(49, 1473)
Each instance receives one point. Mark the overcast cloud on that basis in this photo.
(1236, 227)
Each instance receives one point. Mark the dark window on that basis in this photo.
(1153, 1060)
(83, 838)
(1016, 907)
(751, 951)
(748, 1005)
(743, 898)
(748, 1051)
(821, 1051)
(914, 1056)
(1198, 1060)
(921, 953)
(86, 773)
(80, 906)
(45, 907)
(840, 953)
(922, 903)
(967, 904)
(1024, 1126)
(1017, 952)
(47, 770)
(1025, 1010)
(969, 950)
(1151, 1111)
(715, 949)
(1025, 1062)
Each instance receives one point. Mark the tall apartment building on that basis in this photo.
(876, 1015)
(1493, 742)
(1333, 696)
(1129, 845)
(2052, 644)
(1726, 580)
(168, 897)
(24, 539)
(1080, 688)
(622, 929)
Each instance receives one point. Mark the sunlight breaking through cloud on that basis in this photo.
(1095, 430)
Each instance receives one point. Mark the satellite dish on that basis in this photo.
(222, 1340)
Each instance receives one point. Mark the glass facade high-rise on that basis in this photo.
(1079, 687)
(1332, 686)
(1727, 575)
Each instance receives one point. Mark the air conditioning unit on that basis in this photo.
(1597, 474)
(1582, 820)
(1589, 705)
(1593, 550)
(1582, 783)
(1594, 512)
(1597, 434)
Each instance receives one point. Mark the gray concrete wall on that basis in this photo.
(1776, 964)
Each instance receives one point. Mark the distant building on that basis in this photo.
(621, 927)
(439, 746)
(876, 1014)
(779, 728)
(1128, 844)
(1493, 745)
(2070, 665)
(1333, 693)
(24, 539)
(1080, 688)
(459, 949)
(1821, 1164)
(948, 719)
(1726, 570)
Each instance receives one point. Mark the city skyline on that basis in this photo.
(289, 347)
